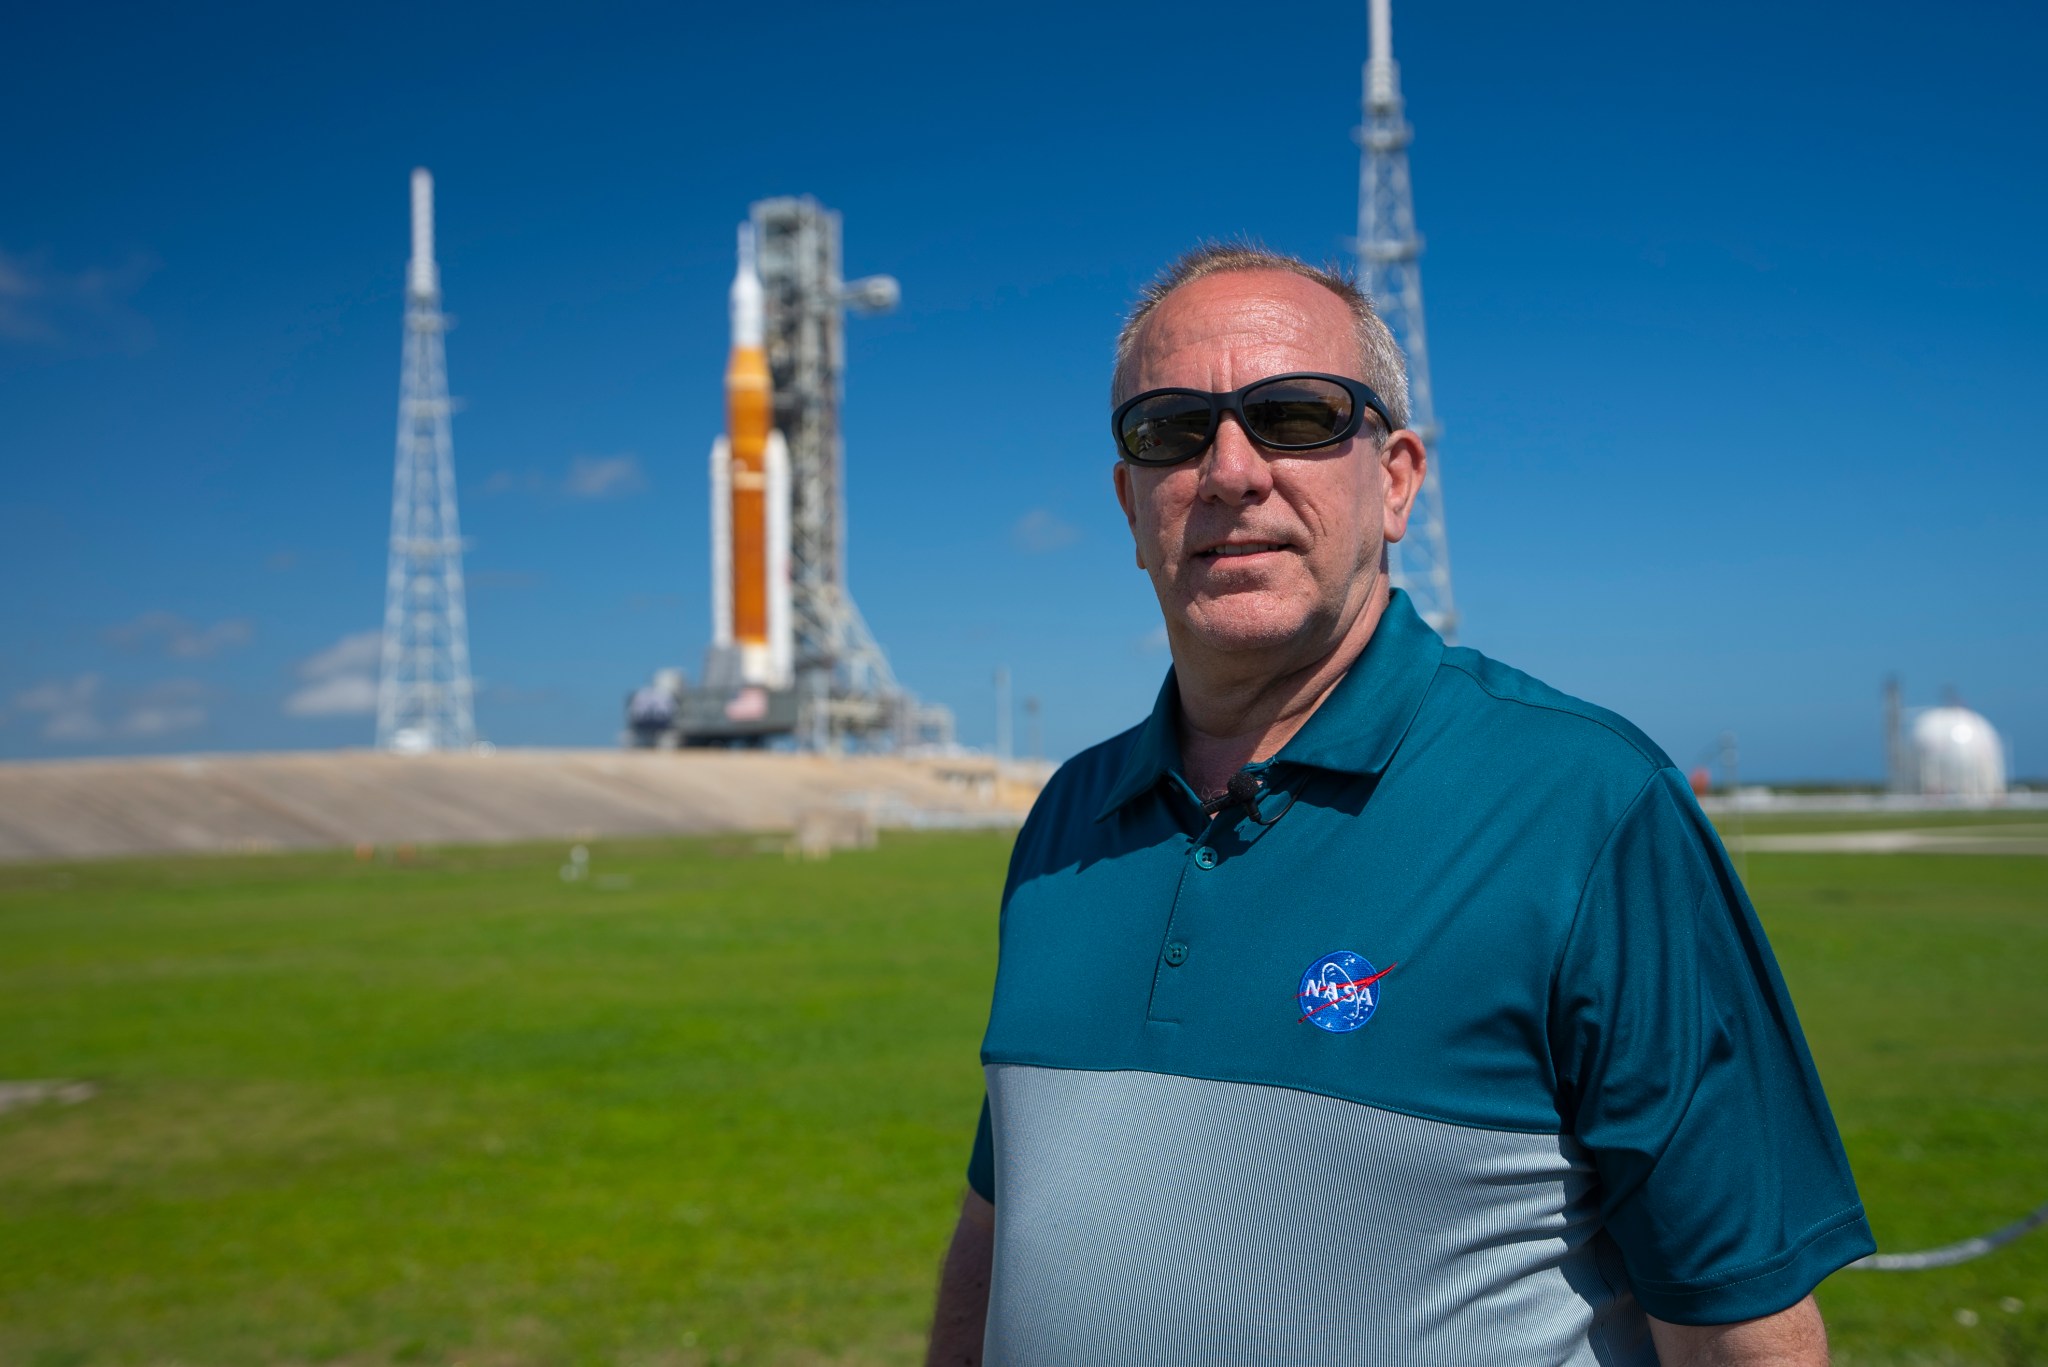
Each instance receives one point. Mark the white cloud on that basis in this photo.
(588, 477)
(83, 311)
(69, 707)
(341, 681)
(604, 476)
(511, 482)
(1041, 531)
(1152, 642)
(355, 653)
(178, 638)
(165, 708)
(345, 695)
(162, 721)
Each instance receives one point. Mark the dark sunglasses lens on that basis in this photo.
(1297, 412)
(1165, 428)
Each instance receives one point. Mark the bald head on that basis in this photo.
(1377, 359)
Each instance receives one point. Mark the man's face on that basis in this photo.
(1252, 550)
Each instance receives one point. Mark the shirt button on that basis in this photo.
(1176, 953)
(1205, 857)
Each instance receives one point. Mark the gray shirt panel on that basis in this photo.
(1151, 1219)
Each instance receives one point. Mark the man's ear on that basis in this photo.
(1403, 462)
(1127, 499)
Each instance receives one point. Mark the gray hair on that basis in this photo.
(1379, 358)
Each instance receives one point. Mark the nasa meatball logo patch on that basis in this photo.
(1340, 991)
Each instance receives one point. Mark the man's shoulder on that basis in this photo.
(1063, 824)
(1080, 784)
(1517, 713)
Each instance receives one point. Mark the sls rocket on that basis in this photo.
(750, 503)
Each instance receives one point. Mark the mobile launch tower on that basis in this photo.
(425, 699)
(791, 656)
(1389, 257)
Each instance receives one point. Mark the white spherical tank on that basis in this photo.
(1955, 753)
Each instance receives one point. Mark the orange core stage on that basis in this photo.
(747, 420)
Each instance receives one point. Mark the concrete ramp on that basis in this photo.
(72, 809)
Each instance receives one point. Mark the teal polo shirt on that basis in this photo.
(1457, 1042)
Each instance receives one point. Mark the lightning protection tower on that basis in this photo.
(1389, 257)
(424, 695)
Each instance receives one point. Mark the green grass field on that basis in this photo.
(711, 1106)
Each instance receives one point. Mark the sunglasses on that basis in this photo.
(1296, 412)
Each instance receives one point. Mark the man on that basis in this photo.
(1371, 1002)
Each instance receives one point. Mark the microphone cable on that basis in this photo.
(1948, 1255)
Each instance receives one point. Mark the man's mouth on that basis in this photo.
(1240, 548)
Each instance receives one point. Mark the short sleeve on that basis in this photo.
(981, 1167)
(1683, 1071)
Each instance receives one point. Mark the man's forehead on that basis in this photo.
(1247, 318)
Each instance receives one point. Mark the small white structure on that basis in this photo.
(1954, 753)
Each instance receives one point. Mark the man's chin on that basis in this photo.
(1233, 625)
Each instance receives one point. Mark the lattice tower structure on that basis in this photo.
(425, 697)
(848, 695)
(1390, 260)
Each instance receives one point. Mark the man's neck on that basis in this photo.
(1231, 717)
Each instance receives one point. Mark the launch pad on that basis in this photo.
(791, 658)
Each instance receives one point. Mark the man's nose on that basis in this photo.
(1234, 469)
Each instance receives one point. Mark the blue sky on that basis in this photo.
(1738, 318)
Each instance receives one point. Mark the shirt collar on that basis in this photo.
(1355, 731)
(1154, 753)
